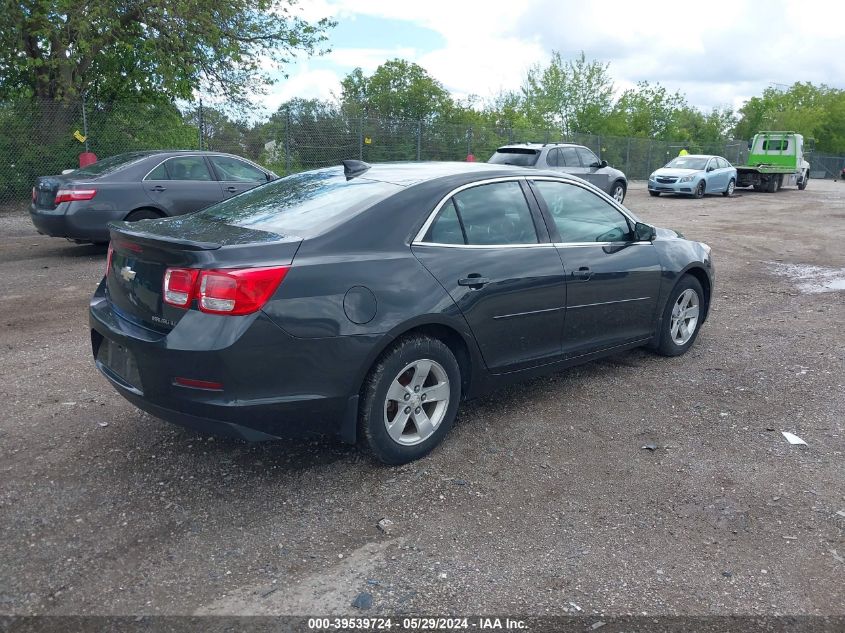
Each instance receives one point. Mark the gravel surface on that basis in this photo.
(541, 500)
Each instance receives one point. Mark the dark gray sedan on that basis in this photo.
(137, 186)
(369, 301)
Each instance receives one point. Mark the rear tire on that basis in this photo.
(143, 214)
(730, 190)
(409, 400)
(771, 185)
(682, 317)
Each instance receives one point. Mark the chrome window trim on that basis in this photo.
(144, 179)
(418, 238)
(246, 160)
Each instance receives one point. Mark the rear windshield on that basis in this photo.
(301, 204)
(688, 162)
(108, 165)
(519, 156)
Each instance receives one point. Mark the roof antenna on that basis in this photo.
(353, 168)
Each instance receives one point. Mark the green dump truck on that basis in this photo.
(775, 160)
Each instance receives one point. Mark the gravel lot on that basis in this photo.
(540, 499)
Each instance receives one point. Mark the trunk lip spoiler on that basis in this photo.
(151, 239)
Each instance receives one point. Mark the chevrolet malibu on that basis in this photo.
(369, 301)
(694, 175)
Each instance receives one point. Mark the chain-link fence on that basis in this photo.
(46, 138)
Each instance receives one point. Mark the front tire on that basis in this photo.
(802, 184)
(410, 400)
(681, 317)
(618, 191)
(654, 194)
(730, 190)
(699, 190)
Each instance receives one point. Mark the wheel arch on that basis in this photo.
(147, 207)
(698, 271)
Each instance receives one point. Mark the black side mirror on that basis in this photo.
(603, 163)
(644, 232)
(269, 177)
(710, 168)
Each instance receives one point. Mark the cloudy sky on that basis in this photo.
(718, 53)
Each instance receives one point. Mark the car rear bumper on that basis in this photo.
(74, 222)
(273, 385)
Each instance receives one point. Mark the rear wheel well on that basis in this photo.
(143, 211)
(704, 280)
(449, 337)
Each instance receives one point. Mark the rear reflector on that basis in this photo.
(234, 291)
(108, 259)
(72, 195)
(193, 383)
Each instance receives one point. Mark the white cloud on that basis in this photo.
(718, 56)
(305, 84)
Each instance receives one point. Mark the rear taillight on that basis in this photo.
(232, 291)
(179, 284)
(72, 195)
(34, 194)
(108, 259)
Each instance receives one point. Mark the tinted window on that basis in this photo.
(188, 168)
(570, 157)
(234, 170)
(553, 158)
(495, 214)
(301, 204)
(446, 228)
(723, 163)
(586, 156)
(159, 173)
(582, 216)
(108, 165)
(520, 156)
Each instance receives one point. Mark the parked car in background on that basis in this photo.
(694, 175)
(368, 301)
(139, 185)
(567, 158)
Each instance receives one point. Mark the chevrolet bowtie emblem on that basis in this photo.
(127, 273)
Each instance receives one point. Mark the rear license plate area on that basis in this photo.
(120, 361)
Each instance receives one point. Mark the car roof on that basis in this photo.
(537, 145)
(410, 173)
(699, 156)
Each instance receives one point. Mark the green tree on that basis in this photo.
(57, 49)
(398, 89)
(574, 95)
(814, 111)
(648, 111)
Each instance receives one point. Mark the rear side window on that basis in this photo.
(301, 204)
(181, 168)
(488, 215)
(519, 156)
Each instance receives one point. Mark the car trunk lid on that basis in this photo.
(141, 253)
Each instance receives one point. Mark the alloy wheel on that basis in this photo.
(684, 317)
(416, 402)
